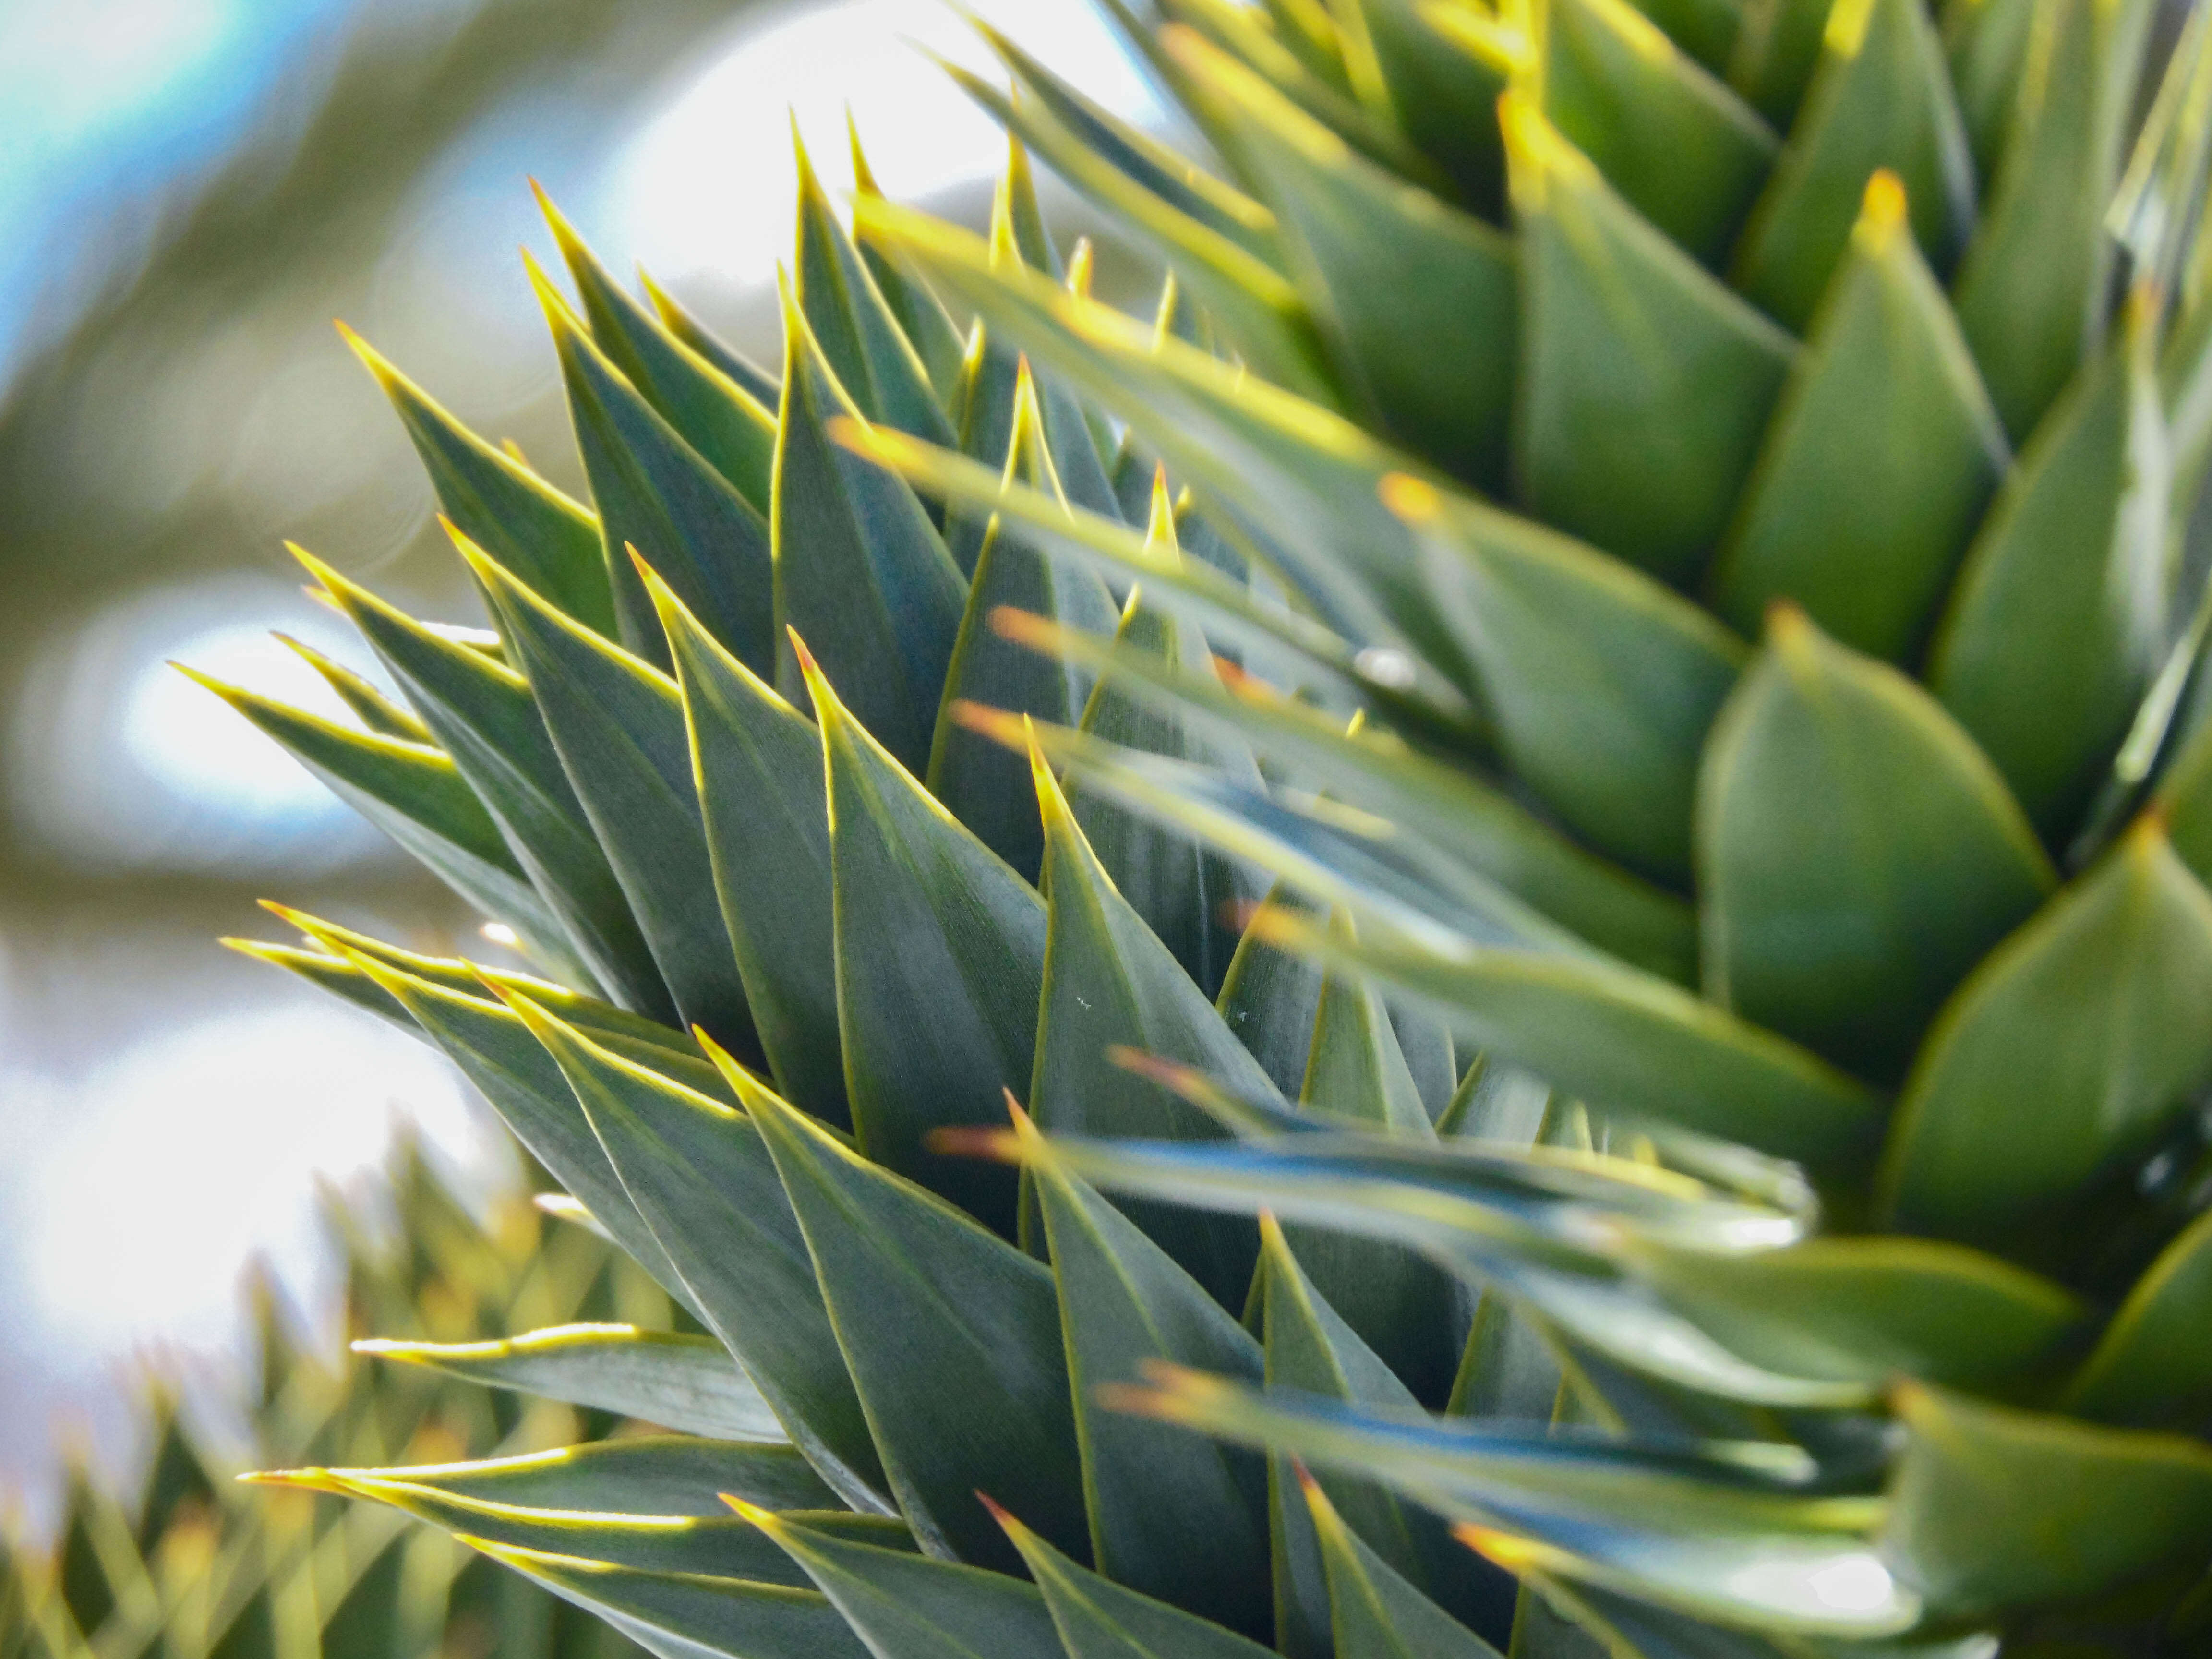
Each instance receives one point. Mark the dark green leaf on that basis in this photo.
(860, 572)
(1110, 982)
(1881, 457)
(500, 504)
(1992, 1507)
(2059, 618)
(1415, 297)
(1171, 1515)
(482, 715)
(375, 711)
(637, 1474)
(921, 317)
(758, 764)
(1880, 100)
(1680, 148)
(952, 1338)
(2150, 1368)
(1856, 856)
(1443, 92)
(2088, 1020)
(1776, 52)
(909, 1607)
(2032, 290)
(940, 948)
(1268, 999)
(1985, 42)
(732, 432)
(1375, 1613)
(698, 1174)
(985, 785)
(618, 723)
(658, 495)
(1644, 384)
(750, 377)
(687, 1382)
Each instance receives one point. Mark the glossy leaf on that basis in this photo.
(1108, 982)
(983, 784)
(414, 794)
(1881, 101)
(687, 1382)
(2031, 290)
(1680, 148)
(691, 1615)
(1882, 458)
(1863, 1310)
(1098, 1618)
(697, 1173)
(2149, 1368)
(1456, 811)
(618, 723)
(869, 356)
(658, 495)
(1603, 681)
(482, 715)
(1415, 298)
(731, 431)
(637, 1474)
(860, 572)
(940, 948)
(1374, 1613)
(1644, 384)
(2087, 1014)
(757, 765)
(2058, 619)
(524, 522)
(1991, 1508)
(952, 1338)
(1172, 1516)
(1857, 854)
(909, 1607)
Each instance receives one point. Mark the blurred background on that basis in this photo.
(190, 192)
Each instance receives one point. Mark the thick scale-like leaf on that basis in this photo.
(2150, 1368)
(1268, 999)
(698, 1174)
(1775, 53)
(1433, 82)
(749, 376)
(940, 948)
(1097, 1618)
(1714, 1528)
(687, 1382)
(921, 317)
(2058, 619)
(658, 495)
(909, 1607)
(756, 763)
(1857, 854)
(1603, 681)
(1984, 43)
(1644, 384)
(512, 1070)
(500, 504)
(1991, 1508)
(1881, 100)
(482, 715)
(1882, 456)
(2062, 1058)
(412, 791)
(1374, 1613)
(983, 784)
(1171, 1516)
(637, 1474)
(691, 1615)
(732, 432)
(860, 572)
(618, 723)
(1680, 148)
(1190, 895)
(1108, 982)
(2031, 290)
(1415, 298)
(952, 1338)
(376, 712)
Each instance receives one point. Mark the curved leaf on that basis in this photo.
(2150, 1367)
(637, 1474)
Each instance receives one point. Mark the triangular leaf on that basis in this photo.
(637, 1474)
(1375, 1613)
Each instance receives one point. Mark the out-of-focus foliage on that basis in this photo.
(189, 1565)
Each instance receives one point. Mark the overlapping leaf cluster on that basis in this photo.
(193, 1567)
(1577, 778)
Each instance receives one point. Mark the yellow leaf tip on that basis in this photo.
(1881, 210)
(1410, 500)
